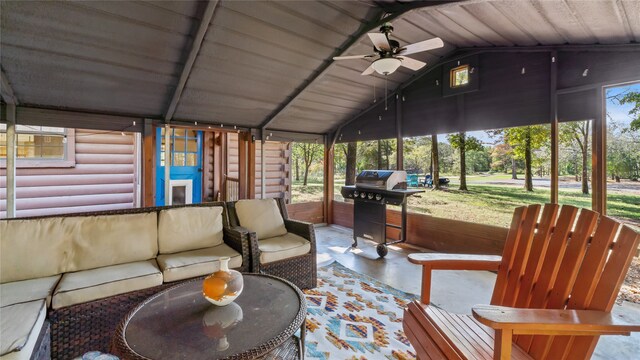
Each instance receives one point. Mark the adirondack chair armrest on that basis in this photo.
(436, 261)
(552, 321)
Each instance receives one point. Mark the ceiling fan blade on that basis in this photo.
(380, 41)
(351, 57)
(421, 46)
(412, 64)
(368, 71)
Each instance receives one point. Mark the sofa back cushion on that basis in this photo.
(189, 228)
(33, 248)
(261, 216)
(105, 240)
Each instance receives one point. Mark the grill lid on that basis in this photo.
(382, 179)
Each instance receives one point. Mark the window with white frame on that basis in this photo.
(38, 146)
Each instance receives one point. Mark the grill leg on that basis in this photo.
(355, 241)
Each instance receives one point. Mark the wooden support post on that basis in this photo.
(503, 344)
(148, 164)
(599, 155)
(553, 115)
(328, 180)
(263, 168)
(167, 164)
(242, 166)
(399, 141)
(11, 160)
(251, 166)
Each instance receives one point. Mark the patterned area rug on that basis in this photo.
(353, 316)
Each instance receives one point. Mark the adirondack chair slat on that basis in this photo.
(609, 284)
(549, 265)
(567, 274)
(508, 254)
(523, 247)
(539, 246)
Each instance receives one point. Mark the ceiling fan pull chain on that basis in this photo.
(374, 89)
(385, 93)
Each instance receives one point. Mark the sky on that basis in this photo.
(617, 112)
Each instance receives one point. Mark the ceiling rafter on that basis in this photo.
(391, 11)
(191, 58)
(6, 90)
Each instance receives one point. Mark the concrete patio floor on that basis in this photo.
(455, 291)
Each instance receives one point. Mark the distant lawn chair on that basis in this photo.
(428, 181)
(553, 294)
(412, 180)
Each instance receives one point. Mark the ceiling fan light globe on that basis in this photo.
(386, 66)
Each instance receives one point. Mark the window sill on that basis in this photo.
(28, 164)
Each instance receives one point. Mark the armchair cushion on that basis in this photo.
(195, 263)
(282, 247)
(189, 228)
(88, 285)
(262, 217)
(20, 325)
(28, 290)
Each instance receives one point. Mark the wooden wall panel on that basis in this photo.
(207, 166)
(277, 159)
(434, 233)
(310, 212)
(102, 179)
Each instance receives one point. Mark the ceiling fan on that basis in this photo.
(390, 56)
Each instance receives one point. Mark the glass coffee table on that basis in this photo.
(178, 323)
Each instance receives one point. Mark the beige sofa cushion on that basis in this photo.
(282, 247)
(83, 286)
(41, 243)
(98, 241)
(195, 263)
(189, 228)
(261, 216)
(28, 290)
(20, 325)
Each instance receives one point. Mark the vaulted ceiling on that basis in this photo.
(262, 64)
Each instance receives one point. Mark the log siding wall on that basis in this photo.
(104, 178)
(277, 159)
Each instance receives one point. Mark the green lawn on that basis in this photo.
(488, 204)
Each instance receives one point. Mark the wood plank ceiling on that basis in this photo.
(256, 57)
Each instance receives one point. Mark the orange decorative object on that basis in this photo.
(223, 286)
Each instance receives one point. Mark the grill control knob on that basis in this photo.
(363, 195)
(378, 197)
(370, 196)
(355, 193)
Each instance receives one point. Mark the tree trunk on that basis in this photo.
(585, 177)
(297, 169)
(379, 154)
(352, 150)
(306, 174)
(436, 164)
(585, 158)
(514, 169)
(463, 163)
(528, 181)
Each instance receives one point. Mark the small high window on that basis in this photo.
(459, 76)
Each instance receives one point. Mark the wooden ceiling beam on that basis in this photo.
(191, 58)
(387, 13)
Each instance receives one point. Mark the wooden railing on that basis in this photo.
(231, 189)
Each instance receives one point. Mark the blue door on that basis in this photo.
(186, 167)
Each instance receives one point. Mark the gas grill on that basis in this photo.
(374, 190)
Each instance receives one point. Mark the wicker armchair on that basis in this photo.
(301, 269)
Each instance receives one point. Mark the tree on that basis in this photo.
(462, 143)
(435, 164)
(307, 153)
(350, 171)
(632, 97)
(524, 140)
(577, 132)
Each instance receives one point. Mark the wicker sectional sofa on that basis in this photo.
(66, 281)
